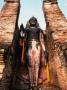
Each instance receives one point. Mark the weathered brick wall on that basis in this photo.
(57, 42)
(12, 0)
(8, 17)
(8, 23)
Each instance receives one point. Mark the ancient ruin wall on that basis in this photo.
(57, 42)
(8, 17)
(8, 23)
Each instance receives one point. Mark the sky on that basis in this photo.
(31, 8)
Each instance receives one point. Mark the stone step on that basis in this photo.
(1, 76)
(1, 50)
(1, 56)
(2, 66)
(1, 53)
(1, 59)
(1, 71)
(1, 62)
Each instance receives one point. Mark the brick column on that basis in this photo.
(57, 42)
(12, 0)
(8, 20)
(8, 25)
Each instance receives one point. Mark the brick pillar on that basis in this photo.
(50, 1)
(57, 42)
(12, 0)
(8, 24)
(8, 20)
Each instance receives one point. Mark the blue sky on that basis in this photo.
(34, 8)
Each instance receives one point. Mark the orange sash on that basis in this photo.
(22, 47)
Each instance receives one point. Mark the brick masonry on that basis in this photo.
(8, 20)
(56, 29)
(56, 32)
(8, 23)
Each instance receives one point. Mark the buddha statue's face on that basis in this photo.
(33, 21)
